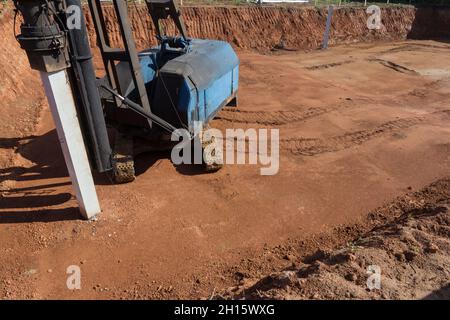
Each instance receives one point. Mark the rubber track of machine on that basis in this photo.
(123, 163)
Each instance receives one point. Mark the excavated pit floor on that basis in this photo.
(359, 125)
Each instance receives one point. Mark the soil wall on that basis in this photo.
(21, 91)
(263, 28)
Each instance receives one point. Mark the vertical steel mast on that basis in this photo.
(60, 51)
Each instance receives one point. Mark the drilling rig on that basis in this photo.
(145, 96)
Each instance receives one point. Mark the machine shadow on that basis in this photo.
(43, 151)
(32, 201)
(147, 160)
(47, 162)
(46, 215)
(46, 155)
(440, 294)
(427, 25)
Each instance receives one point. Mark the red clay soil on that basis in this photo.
(360, 125)
(264, 28)
(409, 241)
(20, 92)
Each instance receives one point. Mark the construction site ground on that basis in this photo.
(364, 154)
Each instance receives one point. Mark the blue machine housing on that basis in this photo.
(192, 84)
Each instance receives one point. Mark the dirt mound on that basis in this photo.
(411, 254)
(265, 28)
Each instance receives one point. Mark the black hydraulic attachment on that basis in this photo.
(51, 45)
(163, 9)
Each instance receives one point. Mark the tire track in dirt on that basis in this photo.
(414, 47)
(394, 66)
(274, 117)
(329, 65)
(426, 90)
(315, 146)
(312, 146)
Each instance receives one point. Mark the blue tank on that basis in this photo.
(186, 83)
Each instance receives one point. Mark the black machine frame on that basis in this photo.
(112, 55)
(52, 46)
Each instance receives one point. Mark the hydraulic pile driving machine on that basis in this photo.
(145, 95)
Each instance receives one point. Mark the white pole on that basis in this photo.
(62, 106)
(327, 28)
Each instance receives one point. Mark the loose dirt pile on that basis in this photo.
(411, 253)
(266, 28)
